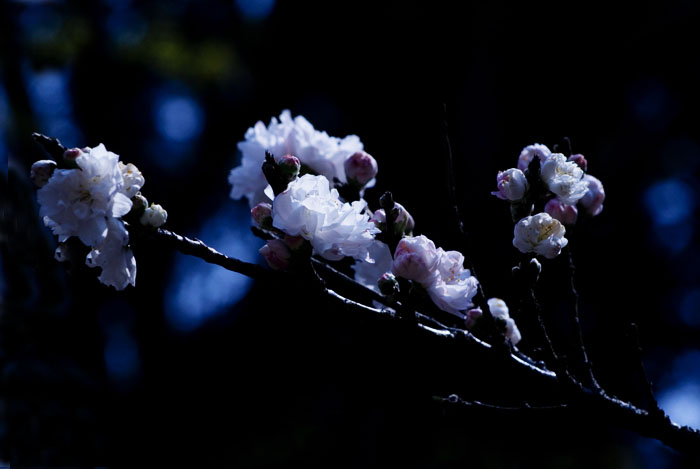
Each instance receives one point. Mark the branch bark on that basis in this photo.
(591, 402)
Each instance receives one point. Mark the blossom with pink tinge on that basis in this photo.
(403, 221)
(416, 258)
(454, 287)
(592, 201)
(512, 185)
(277, 254)
(540, 234)
(567, 214)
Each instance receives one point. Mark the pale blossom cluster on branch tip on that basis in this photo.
(316, 151)
(441, 273)
(311, 209)
(86, 195)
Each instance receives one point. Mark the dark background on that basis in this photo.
(197, 365)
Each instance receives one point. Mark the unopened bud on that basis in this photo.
(72, 153)
(154, 216)
(388, 284)
(277, 254)
(472, 316)
(62, 253)
(41, 172)
(289, 167)
(403, 221)
(567, 214)
(580, 160)
(262, 215)
(138, 204)
(360, 168)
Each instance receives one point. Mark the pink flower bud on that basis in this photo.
(72, 153)
(416, 258)
(262, 215)
(41, 172)
(592, 201)
(580, 160)
(472, 316)
(277, 254)
(567, 214)
(403, 221)
(388, 284)
(289, 166)
(360, 168)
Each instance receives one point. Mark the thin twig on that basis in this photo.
(637, 348)
(454, 399)
(576, 325)
(452, 188)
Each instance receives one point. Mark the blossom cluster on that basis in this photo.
(87, 198)
(564, 187)
(318, 153)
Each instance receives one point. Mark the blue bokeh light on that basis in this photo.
(255, 10)
(121, 354)
(690, 307)
(198, 290)
(682, 403)
(670, 201)
(680, 398)
(49, 92)
(50, 99)
(178, 117)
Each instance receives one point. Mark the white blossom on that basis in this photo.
(592, 201)
(133, 179)
(499, 310)
(322, 153)
(114, 256)
(564, 178)
(154, 216)
(416, 258)
(309, 208)
(454, 287)
(79, 202)
(529, 152)
(512, 185)
(540, 234)
(368, 272)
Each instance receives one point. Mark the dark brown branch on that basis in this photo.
(197, 248)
